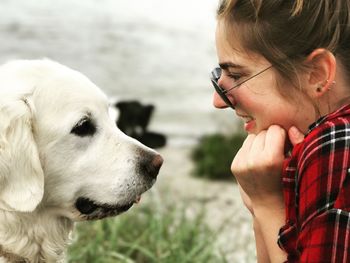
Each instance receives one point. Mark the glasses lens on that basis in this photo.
(216, 73)
(221, 93)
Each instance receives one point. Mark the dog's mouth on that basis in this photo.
(90, 210)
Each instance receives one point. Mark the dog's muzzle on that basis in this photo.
(148, 169)
(90, 210)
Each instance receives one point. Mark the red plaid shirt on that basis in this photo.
(317, 193)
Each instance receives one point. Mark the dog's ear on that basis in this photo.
(21, 174)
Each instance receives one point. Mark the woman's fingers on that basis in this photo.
(258, 145)
(247, 144)
(295, 135)
(275, 141)
(257, 166)
(243, 152)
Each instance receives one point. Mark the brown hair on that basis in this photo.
(286, 31)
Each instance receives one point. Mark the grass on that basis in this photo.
(214, 154)
(147, 234)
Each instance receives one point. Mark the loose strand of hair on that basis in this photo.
(297, 8)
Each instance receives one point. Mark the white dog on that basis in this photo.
(62, 159)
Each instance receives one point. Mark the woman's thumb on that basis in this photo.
(295, 135)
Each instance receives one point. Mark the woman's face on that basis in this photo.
(258, 101)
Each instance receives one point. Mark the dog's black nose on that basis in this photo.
(150, 166)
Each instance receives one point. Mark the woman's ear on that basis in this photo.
(322, 72)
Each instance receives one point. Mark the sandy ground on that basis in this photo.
(221, 200)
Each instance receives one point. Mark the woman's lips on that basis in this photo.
(249, 122)
(249, 126)
(247, 118)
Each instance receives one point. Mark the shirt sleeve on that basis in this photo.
(323, 196)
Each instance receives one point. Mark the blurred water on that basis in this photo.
(156, 51)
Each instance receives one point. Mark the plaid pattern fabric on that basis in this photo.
(317, 193)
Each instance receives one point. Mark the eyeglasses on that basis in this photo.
(215, 76)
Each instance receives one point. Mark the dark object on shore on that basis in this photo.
(133, 120)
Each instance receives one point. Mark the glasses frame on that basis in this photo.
(215, 76)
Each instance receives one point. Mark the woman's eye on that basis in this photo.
(234, 76)
(85, 127)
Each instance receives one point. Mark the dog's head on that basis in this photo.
(59, 148)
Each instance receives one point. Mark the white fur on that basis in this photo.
(44, 168)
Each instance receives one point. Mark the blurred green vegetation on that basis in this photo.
(155, 233)
(147, 235)
(214, 154)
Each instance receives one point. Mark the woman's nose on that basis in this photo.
(218, 102)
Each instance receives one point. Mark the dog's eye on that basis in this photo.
(85, 127)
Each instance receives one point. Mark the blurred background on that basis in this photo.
(159, 52)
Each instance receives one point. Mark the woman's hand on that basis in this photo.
(258, 165)
(295, 137)
(246, 200)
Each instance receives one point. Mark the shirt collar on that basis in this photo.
(344, 110)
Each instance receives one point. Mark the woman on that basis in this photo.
(284, 70)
